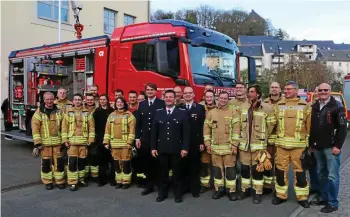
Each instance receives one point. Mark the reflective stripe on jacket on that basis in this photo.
(221, 130)
(263, 122)
(46, 129)
(293, 123)
(120, 129)
(78, 126)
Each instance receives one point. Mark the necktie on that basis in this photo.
(168, 112)
(188, 107)
(150, 103)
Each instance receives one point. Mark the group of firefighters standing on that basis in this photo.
(177, 141)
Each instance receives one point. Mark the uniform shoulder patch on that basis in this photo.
(182, 109)
(159, 109)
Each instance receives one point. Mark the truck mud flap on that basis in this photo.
(16, 134)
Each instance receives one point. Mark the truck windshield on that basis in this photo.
(346, 91)
(213, 61)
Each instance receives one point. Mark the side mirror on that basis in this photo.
(161, 57)
(247, 69)
(198, 41)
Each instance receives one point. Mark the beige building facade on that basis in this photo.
(26, 24)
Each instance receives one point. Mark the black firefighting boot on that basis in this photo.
(126, 186)
(118, 185)
(218, 194)
(49, 186)
(203, 189)
(257, 198)
(61, 186)
(73, 188)
(278, 201)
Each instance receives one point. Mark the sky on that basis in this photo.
(308, 19)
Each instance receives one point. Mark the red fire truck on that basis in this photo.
(165, 52)
(346, 93)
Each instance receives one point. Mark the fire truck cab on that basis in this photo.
(168, 53)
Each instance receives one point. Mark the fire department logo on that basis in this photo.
(101, 53)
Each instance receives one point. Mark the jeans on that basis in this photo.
(314, 183)
(328, 166)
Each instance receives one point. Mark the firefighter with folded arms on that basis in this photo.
(221, 135)
(78, 132)
(293, 128)
(91, 169)
(274, 97)
(209, 104)
(46, 126)
(119, 137)
(257, 123)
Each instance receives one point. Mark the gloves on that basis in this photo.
(260, 167)
(36, 150)
(267, 164)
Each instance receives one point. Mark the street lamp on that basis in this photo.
(278, 52)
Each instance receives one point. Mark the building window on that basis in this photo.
(49, 10)
(109, 21)
(128, 20)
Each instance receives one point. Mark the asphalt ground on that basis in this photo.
(24, 195)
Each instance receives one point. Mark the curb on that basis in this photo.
(299, 209)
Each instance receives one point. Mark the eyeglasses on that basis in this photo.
(323, 90)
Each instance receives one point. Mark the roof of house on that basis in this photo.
(341, 46)
(255, 40)
(320, 44)
(251, 50)
(284, 46)
(334, 55)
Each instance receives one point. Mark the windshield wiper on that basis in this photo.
(211, 76)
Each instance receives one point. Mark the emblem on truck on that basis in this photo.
(101, 53)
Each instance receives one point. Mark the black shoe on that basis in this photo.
(195, 195)
(232, 196)
(49, 186)
(147, 191)
(242, 195)
(101, 183)
(126, 186)
(267, 191)
(178, 200)
(278, 201)
(218, 195)
(304, 203)
(73, 188)
(61, 186)
(160, 198)
(118, 185)
(257, 199)
(329, 208)
(313, 191)
(83, 184)
(203, 189)
(318, 202)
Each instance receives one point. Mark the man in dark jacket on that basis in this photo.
(4, 108)
(169, 143)
(196, 116)
(145, 165)
(327, 136)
